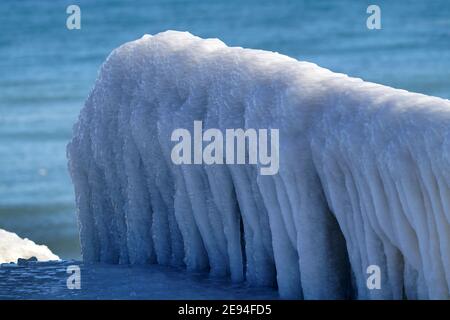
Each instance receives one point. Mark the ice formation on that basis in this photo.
(13, 247)
(363, 176)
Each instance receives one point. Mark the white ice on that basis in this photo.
(13, 247)
(48, 280)
(363, 179)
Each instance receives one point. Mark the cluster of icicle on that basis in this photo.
(363, 178)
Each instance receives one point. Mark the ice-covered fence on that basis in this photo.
(363, 178)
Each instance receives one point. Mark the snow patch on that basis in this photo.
(13, 248)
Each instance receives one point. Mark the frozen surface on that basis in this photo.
(48, 280)
(363, 176)
(13, 247)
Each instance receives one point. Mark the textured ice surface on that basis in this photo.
(363, 179)
(48, 280)
(12, 247)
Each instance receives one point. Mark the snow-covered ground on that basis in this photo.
(363, 174)
(48, 280)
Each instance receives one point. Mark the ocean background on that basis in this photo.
(47, 71)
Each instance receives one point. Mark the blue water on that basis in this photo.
(47, 280)
(46, 72)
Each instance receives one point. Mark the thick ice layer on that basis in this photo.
(48, 280)
(363, 177)
(12, 247)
